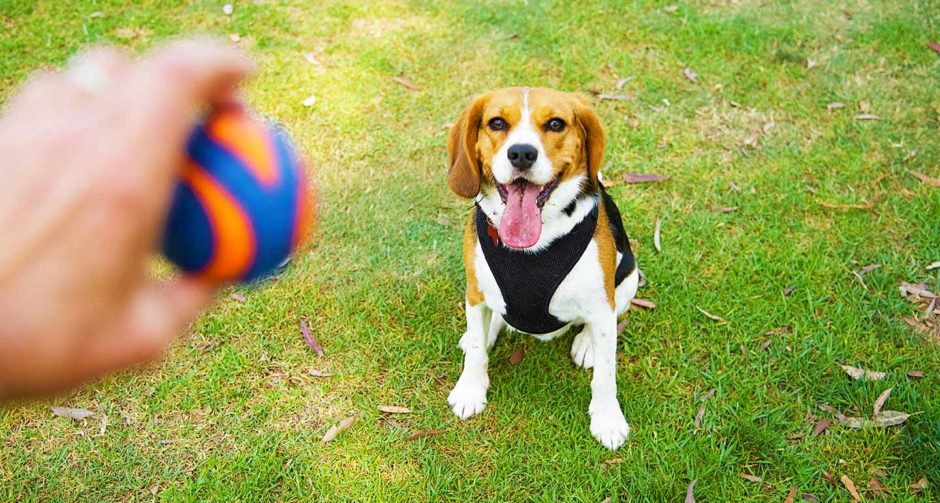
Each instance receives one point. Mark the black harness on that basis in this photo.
(528, 280)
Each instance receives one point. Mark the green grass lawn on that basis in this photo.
(232, 412)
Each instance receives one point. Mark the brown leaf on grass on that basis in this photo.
(394, 409)
(644, 303)
(828, 476)
(656, 238)
(858, 373)
(311, 341)
(644, 178)
(847, 482)
(789, 290)
(622, 325)
(423, 433)
(918, 486)
(337, 429)
(935, 46)
(878, 489)
(867, 205)
(689, 74)
(711, 316)
(915, 374)
(517, 355)
(867, 117)
(764, 345)
(238, 298)
(72, 413)
(751, 478)
(725, 209)
(317, 373)
(869, 268)
(832, 410)
(698, 417)
(791, 496)
(908, 290)
(810, 497)
(885, 419)
(690, 493)
(933, 182)
(935, 265)
(821, 426)
(880, 402)
(407, 84)
(613, 461)
(835, 105)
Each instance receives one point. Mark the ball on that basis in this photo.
(242, 204)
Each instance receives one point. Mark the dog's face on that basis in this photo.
(530, 152)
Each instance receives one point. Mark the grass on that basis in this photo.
(232, 414)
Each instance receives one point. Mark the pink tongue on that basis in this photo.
(521, 224)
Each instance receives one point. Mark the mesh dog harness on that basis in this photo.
(528, 280)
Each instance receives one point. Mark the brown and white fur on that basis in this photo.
(570, 155)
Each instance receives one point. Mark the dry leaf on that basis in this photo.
(711, 316)
(407, 84)
(689, 74)
(919, 486)
(858, 373)
(789, 290)
(612, 96)
(394, 409)
(867, 117)
(764, 345)
(835, 105)
(933, 182)
(606, 500)
(821, 426)
(95, 15)
(690, 494)
(309, 101)
(878, 489)
(726, 209)
(791, 496)
(847, 482)
(669, 9)
(810, 497)
(869, 268)
(643, 178)
(239, 297)
(622, 325)
(919, 290)
(337, 429)
(710, 393)
(935, 265)
(751, 478)
(613, 461)
(72, 413)
(832, 410)
(644, 303)
(317, 373)
(517, 355)
(915, 373)
(864, 106)
(421, 434)
(311, 341)
(698, 417)
(935, 46)
(656, 233)
(880, 402)
(885, 419)
(828, 476)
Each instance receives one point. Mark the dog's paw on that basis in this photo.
(609, 426)
(468, 398)
(582, 350)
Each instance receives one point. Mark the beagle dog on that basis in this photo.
(544, 248)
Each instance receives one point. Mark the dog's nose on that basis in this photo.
(522, 156)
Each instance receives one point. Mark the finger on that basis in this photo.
(154, 318)
(165, 89)
(97, 71)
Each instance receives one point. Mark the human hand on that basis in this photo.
(91, 158)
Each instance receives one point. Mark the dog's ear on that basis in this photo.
(592, 135)
(464, 176)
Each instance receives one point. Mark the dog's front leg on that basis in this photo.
(608, 425)
(468, 397)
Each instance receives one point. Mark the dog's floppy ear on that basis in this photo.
(464, 176)
(593, 135)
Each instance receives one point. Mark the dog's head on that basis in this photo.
(529, 152)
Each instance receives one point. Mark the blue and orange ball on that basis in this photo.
(243, 203)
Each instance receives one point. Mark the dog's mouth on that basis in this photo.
(521, 224)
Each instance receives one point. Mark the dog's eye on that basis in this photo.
(498, 124)
(557, 125)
